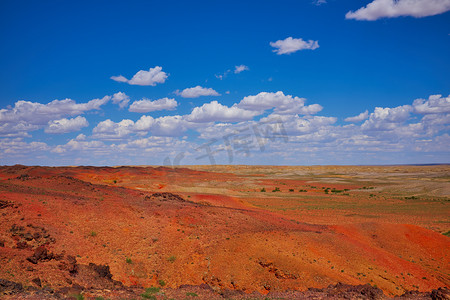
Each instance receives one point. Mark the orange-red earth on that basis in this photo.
(246, 228)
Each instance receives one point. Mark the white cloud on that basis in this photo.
(120, 98)
(240, 68)
(80, 137)
(66, 125)
(119, 78)
(216, 112)
(434, 105)
(283, 104)
(291, 45)
(18, 146)
(169, 126)
(125, 129)
(361, 117)
(405, 131)
(27, 116)
(385, 119)
(40, 114)
(151, 77)
(110, 130)
(222, 76)
(395, 8)
(319, 2)
(197, 91)
(146, 105)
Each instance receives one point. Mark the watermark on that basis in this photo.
(240, 141)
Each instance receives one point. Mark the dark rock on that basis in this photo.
(10, 287)
(22, 245)
(165, 197)
(37, 281)
(441, 293)
(205, 286)
(72, 264)
(5, 204)
(40, 254)
(102, 270)
(28, 236)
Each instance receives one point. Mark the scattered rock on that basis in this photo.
(102, 270)
(40, 254)
(441, 293)
(22, 245)
(9, 287)
(165, 197)
(5, 204)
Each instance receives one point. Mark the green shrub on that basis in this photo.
(172, 258)
(161, 282)
(128, 260)
(263, 190)
(277, 189)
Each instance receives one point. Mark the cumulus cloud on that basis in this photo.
(283, 104)
(387, 118)
(216, 112)
(39, 114)
(110, 130)
(15, 146)
(146, 105)
(291, 45)
(169, 126)
(66, 125)
(420, 127)
(240, 68)
(151, 77)
(27, 116)
(395, 8)
(121, 99)
(197, 91)
(162, 126)
(361, 117)
(434, 105)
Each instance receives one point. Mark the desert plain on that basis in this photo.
(206, 232)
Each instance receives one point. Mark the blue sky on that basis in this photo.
(326, 82)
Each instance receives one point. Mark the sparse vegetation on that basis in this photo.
(150, 293)
(78, 296)
(172, 258)
(263, 190)
(190, 294)
(277, 189)
(161, 282)
(93, 233)
(128, 260)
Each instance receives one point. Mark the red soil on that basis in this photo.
(107, 216)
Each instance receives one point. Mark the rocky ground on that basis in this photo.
(255, 233)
